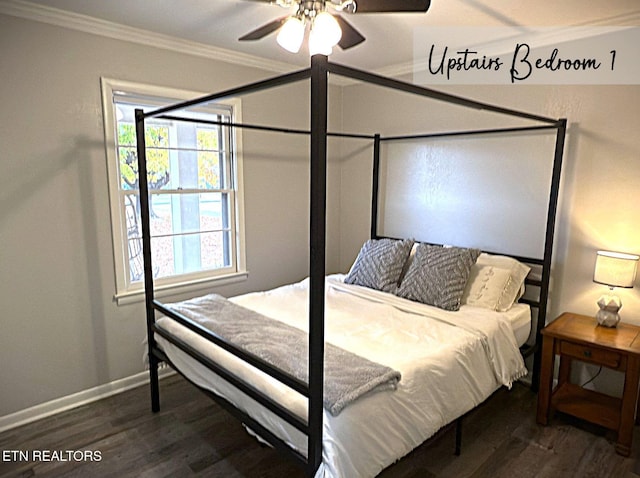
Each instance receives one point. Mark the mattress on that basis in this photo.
(450, 362)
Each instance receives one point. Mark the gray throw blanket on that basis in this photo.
(346, 376)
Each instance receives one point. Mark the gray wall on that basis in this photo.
(600, 182)
(61, 331)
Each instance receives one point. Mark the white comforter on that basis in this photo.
(450, 362)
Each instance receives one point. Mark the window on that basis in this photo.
(195, 185)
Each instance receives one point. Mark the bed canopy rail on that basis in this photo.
(270, 129)
(318, 75)
(394, 84)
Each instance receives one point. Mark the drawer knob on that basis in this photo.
(587, 353)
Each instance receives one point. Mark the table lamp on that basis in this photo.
(613, 269)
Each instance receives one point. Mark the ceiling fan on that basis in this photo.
(327, 27)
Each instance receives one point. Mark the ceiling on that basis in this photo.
(389, 45)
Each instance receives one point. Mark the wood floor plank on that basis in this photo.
(193, 437)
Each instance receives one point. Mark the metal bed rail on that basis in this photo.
(245, 418)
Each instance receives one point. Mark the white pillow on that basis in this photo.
(495, 282)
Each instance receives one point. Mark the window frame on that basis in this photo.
(126, 290)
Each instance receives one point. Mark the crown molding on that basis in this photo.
(95, 26)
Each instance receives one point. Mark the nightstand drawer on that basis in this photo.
(587, 353)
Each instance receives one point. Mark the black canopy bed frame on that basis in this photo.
(313, 390)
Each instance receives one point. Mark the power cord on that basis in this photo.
(593, 378)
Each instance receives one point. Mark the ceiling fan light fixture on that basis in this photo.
(291, 34)
(326, 28)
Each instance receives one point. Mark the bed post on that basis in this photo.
(317, 240)
(146, 254)
(375, 186)
(548, 249)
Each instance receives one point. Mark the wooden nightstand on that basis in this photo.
(578, 337)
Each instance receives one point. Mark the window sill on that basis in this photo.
(131, 297)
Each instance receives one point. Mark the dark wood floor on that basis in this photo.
(191, 436)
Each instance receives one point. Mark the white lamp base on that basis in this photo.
(608, 315)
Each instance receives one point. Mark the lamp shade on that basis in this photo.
(615, 269)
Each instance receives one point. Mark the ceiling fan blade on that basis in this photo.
(380, 6)
(264, 30)
(350, 36)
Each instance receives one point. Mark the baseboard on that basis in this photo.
(62, 404)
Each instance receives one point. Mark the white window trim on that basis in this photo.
(128, 293)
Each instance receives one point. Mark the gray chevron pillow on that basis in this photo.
(438, 275)
(379, 264)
